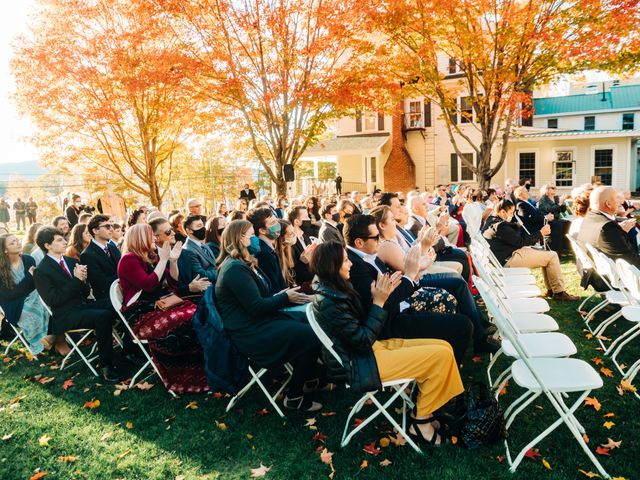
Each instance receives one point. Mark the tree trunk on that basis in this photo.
(281, 186)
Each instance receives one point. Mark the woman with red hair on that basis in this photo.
(153, 270)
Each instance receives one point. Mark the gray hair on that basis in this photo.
(599, 196)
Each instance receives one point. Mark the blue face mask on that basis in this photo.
(254, 246)
(274, 231)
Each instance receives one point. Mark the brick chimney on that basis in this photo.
(399, 170)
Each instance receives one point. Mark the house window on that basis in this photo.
(603, 165)
(453, 66)
(370, 121)
(427, 113)
(627, 121)
(527, 166)
(563, 168)
(590, 123)
(466, 110)
(358, 121)
(373, 178)
(458, 166)
(414, 119)
(552, 123)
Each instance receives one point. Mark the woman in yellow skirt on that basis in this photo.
(368, 361)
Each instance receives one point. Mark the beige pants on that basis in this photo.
(444, 267)
(429, 361)
(547, 260)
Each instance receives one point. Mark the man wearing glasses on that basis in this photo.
(101, 256)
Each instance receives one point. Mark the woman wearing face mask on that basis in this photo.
(303, 247)
(252, 319)
(213, 237)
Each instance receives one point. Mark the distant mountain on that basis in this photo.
(29, 171)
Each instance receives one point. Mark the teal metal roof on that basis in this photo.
(616, 98)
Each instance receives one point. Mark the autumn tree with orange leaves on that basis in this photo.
(104, 83)
(276, 70)
(502, 49)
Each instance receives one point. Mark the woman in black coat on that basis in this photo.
(254, 320)
(369, 361)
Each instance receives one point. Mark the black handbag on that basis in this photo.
(484, 419)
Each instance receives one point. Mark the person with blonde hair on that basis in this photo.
(254, 319)
(29, 240)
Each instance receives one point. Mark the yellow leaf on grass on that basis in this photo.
(609, 415)
(384, 442)
(606, 372)
(385, 463)
(124, 454)
(38, 475)
(68, 458)
(221, 426)
(193, 405)
(546, 464)
(129, 425)
(627, 386)
(589, 474)
(91, 405)
(593, 402)
(364, 464)
(597, 361)
(585, 437)
(43, 441)
(608, 425)
(611, 444)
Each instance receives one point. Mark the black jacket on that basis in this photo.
(61, 292)
(504, 238)
(102, 270)
(608, 237)
(12, 299)
(270, 266)
(532, 218)
(352, 332)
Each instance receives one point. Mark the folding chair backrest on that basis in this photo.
(521, 223)
(492, 305)
(605, 266)
(320, 333)
(583, 262)
(115, 294)
(630, 277)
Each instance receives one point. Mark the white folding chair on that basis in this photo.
(509, 285)
(617, 295)
(399, 386)
(551, 377)
(255, 380)
(630, 278)
(115, 294)
(84, 333)
(482, 243)
(19, 337)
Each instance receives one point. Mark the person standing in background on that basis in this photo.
(32, 209)
(21, 212)
(338, 184)
(4, 213)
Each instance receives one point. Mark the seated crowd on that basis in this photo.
(387, 274)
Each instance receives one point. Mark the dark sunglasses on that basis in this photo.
(375, 237)
(108, 226)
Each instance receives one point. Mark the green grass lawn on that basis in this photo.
(149, 435)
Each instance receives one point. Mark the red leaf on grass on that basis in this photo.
(602, 451)
(319, 436)
(532, 454)
(263, 412)
(371, 448)
(67, 384)
(357, 422)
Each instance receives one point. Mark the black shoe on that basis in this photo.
(134, 359)
(488, 345)
(110, 374)
(301, 403)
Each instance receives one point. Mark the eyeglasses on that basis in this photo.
(168, 232)
(108, 226)
(375, 237)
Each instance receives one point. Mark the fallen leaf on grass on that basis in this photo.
(384, 442)
(43, 441)
(221, 426)
(364, 464)
(585, 437)
(68, 458)
(129, 425)
(144, 386)
(92, 404)
(532, 454)
(193, 405)
(67, 384)
(124, 454)
(500, 458)
(105, 436)
(217, 395)
(328, 414)
(476, 359)
(608, 425)
(454, 440)
(263, 412)
(371, 449)
(7, 437)
(261, 471)
(606, 372)
(593, 402)
(597, 361)
(310, 422)
(603, 338)
(398, 440)
(45, 380)
(179, 477)
(611, 444)
(39, 475)
(326, 456)
(618, 478)
(320, 437)
(602, 451)
(609, 415)
(589, 336)
(627, 386)
(589, 474)
(546, 464)
(385, 463)
(357, 422)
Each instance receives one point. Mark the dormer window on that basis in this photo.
(453, 66)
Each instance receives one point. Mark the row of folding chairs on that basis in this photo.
(539, 355)
(622, 281)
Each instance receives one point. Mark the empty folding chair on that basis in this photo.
(507, 285)
(84, 334)
(584, 263)
(19, 337)
(549, 377)
(482, 243)
(399, 386)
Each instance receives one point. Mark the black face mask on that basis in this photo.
(528, 186)
(306, 224)
(200, 233)
(335, 217)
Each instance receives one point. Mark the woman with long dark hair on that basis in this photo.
(284, 250)
(370, 362)
(18, 297)
(313, 209)
(80, 239)
(213, 233)
(254, 321)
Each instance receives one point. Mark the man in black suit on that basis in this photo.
(361, 235)
(600, 228)
(532, 218)
(247, 193)
(101, 256)
(203, 262)
(329, 231)
(62, 283)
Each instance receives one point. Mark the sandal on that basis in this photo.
(301, 403)
(418, 437)
(48, 344)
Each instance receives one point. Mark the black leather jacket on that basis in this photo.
(352, 332)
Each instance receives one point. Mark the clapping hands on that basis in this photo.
(384, 286)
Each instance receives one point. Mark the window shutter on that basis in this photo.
(427, 113)
(358, 121)
(454, 167)
(380, 121)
